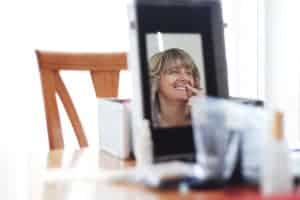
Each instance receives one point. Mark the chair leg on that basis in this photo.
(51, 109)
(70, 109)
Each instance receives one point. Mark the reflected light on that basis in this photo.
(160, 41)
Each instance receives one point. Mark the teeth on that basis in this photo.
(180, 86)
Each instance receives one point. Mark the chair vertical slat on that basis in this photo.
(51, 109)
(70, 109)
(105, 83)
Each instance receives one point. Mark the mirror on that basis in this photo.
(180, 52)
(176, 71)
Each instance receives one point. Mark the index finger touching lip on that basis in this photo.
(193, 90)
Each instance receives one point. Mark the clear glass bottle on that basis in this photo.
(276, 176)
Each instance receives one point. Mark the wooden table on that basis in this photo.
(75, 175)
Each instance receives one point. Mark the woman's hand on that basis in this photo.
(192, 91)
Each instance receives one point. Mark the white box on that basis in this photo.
(114, 126)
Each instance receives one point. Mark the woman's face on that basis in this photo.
(173, 82)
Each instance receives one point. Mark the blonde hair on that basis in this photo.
(158, 63)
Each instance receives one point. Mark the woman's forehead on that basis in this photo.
(176, 63)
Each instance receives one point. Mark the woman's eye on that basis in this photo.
(173, 71)
(189, 73)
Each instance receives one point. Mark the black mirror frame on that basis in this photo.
(189, 16)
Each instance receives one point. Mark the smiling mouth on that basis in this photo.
(180, 87)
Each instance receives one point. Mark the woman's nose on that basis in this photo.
(183, 75)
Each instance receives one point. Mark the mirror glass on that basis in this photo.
(176, 72)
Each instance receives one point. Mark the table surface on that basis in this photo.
(81, 175)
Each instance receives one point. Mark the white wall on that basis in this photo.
(282, 62)
(51, 25)
(262, 41)
(241, 43)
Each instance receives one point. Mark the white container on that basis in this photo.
(114, 126)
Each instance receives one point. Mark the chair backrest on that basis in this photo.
(104, 69)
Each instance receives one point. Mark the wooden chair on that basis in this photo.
(104, 69)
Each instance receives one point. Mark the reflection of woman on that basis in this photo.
(174, 79)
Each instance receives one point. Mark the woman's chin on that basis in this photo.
(183, 99)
